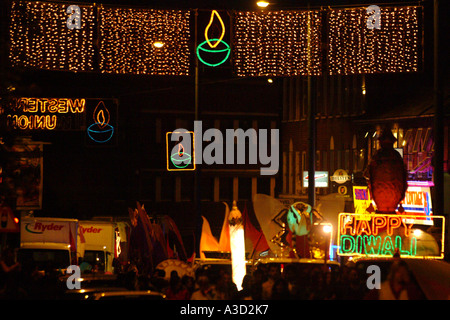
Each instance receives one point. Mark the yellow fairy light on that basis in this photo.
(40, 38)
(129, 36)
(356, 49)
(277, 43)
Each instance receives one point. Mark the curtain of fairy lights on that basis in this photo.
(276, 43)
(356, 49)
(40, 38)
(127, 38)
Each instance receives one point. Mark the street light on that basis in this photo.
(262, 4)
(158, 44)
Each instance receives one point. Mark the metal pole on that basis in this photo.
(311, 129)
(198, 216)
(438, 161)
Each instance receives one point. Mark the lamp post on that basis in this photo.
(237, 245)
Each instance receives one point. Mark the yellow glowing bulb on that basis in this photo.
(327, 228)
(262, 4)
(158, 44)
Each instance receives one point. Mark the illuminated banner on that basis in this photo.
(320, 178)
(417, 201)
(361, 199)
(383, 235)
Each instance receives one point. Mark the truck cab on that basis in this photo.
(99, 244)
(48, 243)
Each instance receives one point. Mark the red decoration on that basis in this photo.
(387, 175)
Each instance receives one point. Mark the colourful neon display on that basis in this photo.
(213, 43)
(382, 236)
(100, 131)
(42, 113)
(417, 201)
(227, 51)
(180, 160)
(214, 12)
(362, 201)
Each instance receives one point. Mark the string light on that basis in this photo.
(40, 38)
(275, 43)
(128, 37)
(356, 49)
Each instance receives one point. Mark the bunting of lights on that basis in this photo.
(40, 37)
(356, 49)
(128, 37)
(276, 43)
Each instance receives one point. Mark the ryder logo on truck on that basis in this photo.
(40, 227)
(90, 230)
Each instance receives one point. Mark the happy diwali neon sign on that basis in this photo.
(380, 236)
(213, 43)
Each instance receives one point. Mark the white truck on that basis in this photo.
(99, 243)
(48, 243)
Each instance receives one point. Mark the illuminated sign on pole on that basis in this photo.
(180, 153)
(384, 235)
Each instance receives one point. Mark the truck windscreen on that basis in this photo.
(44, 258)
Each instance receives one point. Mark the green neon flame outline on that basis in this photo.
(184, 165)
(228, 49)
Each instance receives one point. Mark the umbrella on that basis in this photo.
(179, 266)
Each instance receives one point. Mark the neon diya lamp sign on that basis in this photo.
(207, 51)
(101, 131)
(359, 236)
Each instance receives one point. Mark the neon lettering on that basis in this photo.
(394, 223)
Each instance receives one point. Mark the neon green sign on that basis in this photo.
(224, 52)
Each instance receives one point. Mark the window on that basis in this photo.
(226, 189)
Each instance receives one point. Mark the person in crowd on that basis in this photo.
(226, 289)
(158, 280)
(205, 291)
(399, 285)
(258, 277)
(189, 283)
(330, 288)
(176, 290)
(355, 288)
(280, 289)
(10, 275)
(273, 274)
(292, 277)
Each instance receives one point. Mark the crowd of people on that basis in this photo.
(276, 282)
(266, 282)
